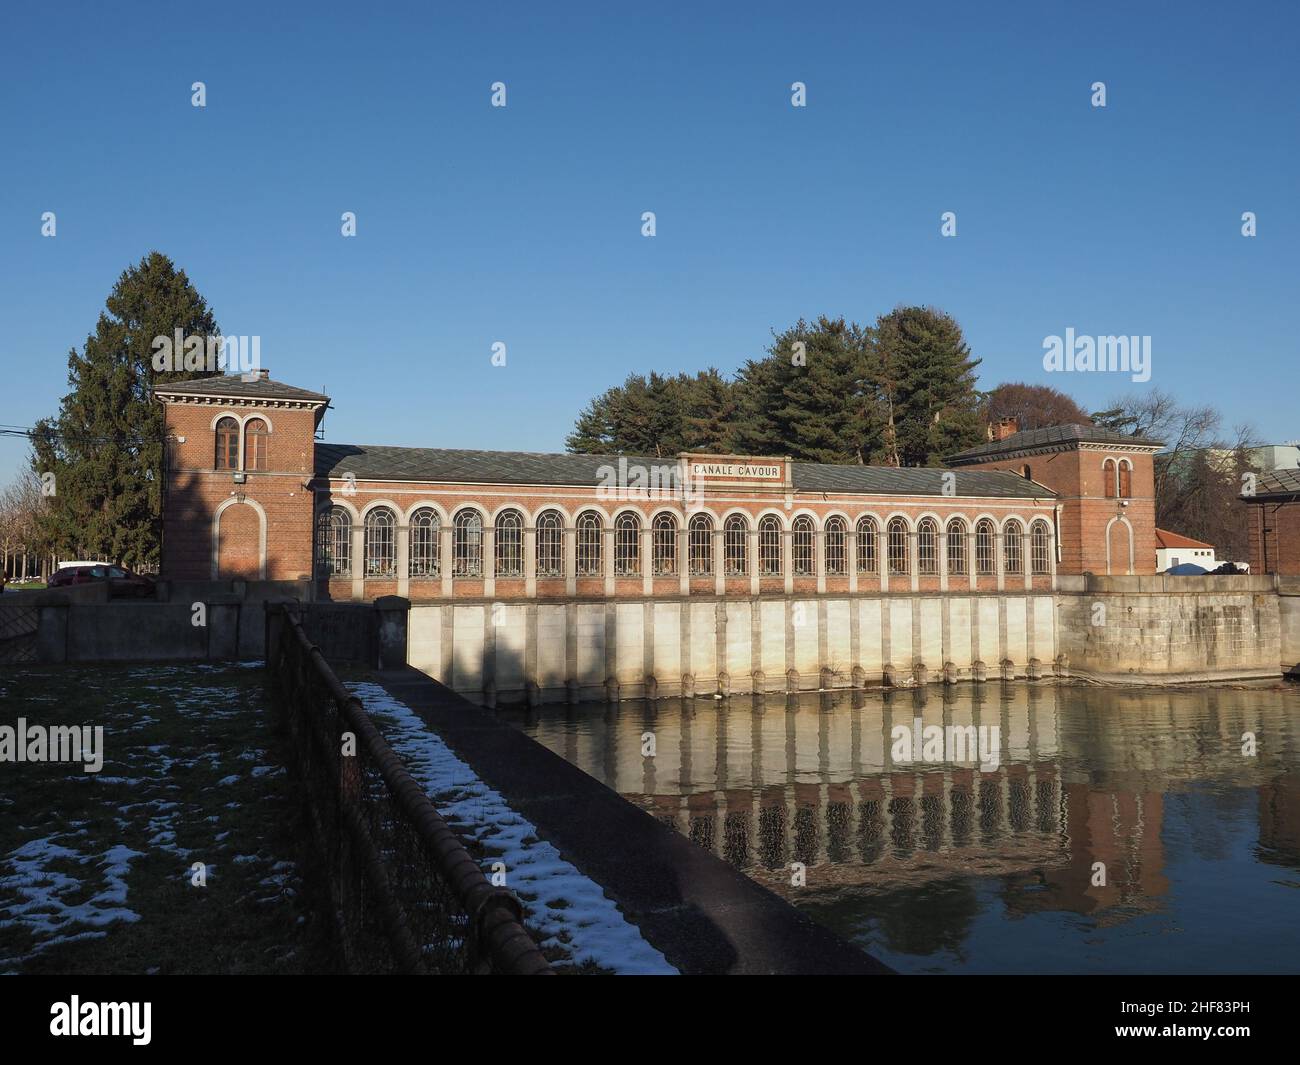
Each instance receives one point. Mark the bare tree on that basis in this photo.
(21, 504)
(1198, 475)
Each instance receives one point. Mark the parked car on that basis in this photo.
(121, 581)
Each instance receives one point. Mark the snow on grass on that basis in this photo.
(39, 891)
(564, 908)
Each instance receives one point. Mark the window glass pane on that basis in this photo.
(627, 546)
(867, 535)
(735, 546)
(700, 546)
(836, 556)
(380, 544)
(801, 547)
(509, 544)
(899, 562)
(424, 549)
(956, 546)
(590, 540)
(467, 544)
(663, 538)
(550, 544)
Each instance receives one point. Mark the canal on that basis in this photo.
(1017, 828)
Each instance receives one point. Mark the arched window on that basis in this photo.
(1125, 479)
(1110, 475)
(837, 559)
(867, 533)
(227, 444)
(424, 551)
(255, 440)
(663, 546)
(467, 544)
(380, 543)
(899, 562)
(956, 546)
(589, 544)
(699, 546)
(334, 542)
(984, 547)
(1025, 472)
(627, 545)
(508, 544)
(1011, 541)
(550, 544)
(803, 557)
(927, 546)
(1040, 546)
(769, 547)
(735, 547)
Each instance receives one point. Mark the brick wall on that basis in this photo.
(195, 492)
(1275, 525)
(1077, 477)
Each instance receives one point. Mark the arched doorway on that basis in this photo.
(239, 541)
(1119, 547)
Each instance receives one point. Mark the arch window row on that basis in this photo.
(904, 548)
(256, 435)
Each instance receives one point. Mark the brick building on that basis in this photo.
(252, 494)
(1104, 484)
(1274, 515)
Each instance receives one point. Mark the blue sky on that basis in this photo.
(523, 224)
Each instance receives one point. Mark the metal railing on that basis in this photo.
(406, 895)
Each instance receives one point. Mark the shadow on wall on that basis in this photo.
(214, 530)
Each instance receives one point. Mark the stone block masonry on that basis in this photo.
(1162, 628)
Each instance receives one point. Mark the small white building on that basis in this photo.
(1174, 550)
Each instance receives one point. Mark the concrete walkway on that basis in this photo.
(701, 913)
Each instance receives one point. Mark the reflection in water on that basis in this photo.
(941, 866)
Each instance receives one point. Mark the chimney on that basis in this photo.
(263, 375)
(1004, 428)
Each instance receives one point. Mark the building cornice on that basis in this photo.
(266, 402)
(1055, 449)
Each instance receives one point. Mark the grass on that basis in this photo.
(96, 869)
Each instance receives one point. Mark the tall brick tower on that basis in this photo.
(240, 459)
(1106, 484)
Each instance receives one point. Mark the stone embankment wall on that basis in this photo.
(1159, 629)
(581, 650)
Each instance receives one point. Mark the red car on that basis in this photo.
(122, 582)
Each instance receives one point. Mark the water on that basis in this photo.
(946, 866)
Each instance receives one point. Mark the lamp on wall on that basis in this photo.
(240, 477)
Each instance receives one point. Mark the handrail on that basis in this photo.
(396, 862)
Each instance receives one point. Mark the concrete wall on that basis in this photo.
(1144, 629)
(1289, 620)
(632, 648)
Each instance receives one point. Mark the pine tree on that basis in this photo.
(927, 383)
(105, 446)
(656, 416)
(710, 409)
(813, 396)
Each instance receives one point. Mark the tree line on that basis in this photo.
(901, 392)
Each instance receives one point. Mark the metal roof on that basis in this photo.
(1050, 436)
(369, 462)
(1278, 483)
(238, 386)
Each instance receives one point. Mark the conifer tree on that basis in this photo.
(926, 378)
(105, 446)
(812, 397)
